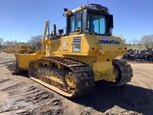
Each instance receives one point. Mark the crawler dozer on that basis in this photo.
(70, 62)
(22, 48)
(9, 50)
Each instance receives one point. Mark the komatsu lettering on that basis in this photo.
(109, 42)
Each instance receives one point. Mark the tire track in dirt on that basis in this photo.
(7, 63)
(12, 87)
(4, 80)
(23, 98)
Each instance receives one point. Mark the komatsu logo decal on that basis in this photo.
(107, 41)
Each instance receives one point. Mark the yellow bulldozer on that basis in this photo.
(9, 50)
(70, 63)
(22, 48)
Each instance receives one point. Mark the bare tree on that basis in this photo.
(15, 42)
(151, 39)
(1, 42)
(139, 43)
(6, 44)
(147, 40)
(133, 41)
(129, 42)
(35, 41)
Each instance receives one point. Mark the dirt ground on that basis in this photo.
(19, 95)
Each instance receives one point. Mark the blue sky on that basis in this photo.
(21, 19)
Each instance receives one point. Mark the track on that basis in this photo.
(125, 73)
(72, 79)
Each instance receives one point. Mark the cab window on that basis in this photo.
(72, 24)
(97, 23)
(75, 21)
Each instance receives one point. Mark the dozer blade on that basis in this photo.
(22, 61)
(17, 70)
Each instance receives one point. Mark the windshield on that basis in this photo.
(96, 23)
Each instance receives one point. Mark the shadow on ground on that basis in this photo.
(11, 67)
(128, 97)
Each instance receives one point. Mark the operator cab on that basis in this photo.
(92, 19)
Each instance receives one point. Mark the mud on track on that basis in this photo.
(20, 95)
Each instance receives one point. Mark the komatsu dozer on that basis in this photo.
(70, 62)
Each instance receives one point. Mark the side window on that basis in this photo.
(72, 24)
(102, 25)
(88, 23)
(78, 20)
(95, 26)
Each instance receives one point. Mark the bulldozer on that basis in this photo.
(9, 49)
(22, 48)
(71, 62)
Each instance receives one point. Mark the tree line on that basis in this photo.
(146, 40)
(34, 41)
